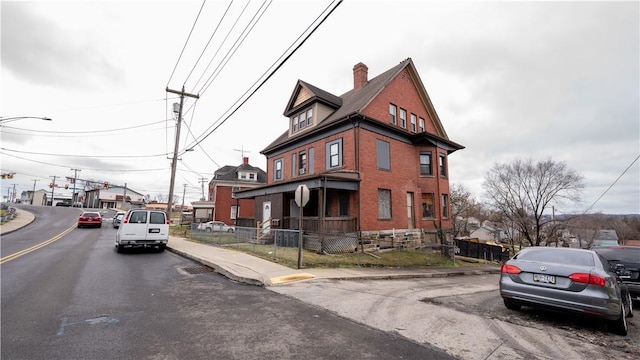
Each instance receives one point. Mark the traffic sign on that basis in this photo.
(302, 195)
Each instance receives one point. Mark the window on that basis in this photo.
(392, 113)
(334, 154)
(138, 217)
(343, 200)
(428, 206)
(302, 163)
(445, 206)
(443, 165)
(309, 117)
(403, 118)
(303, 120)
(293, 164)
(384, 204)
(413, 122)
(157, 218)
(277, 165)
(421, 126)
(382, 152)
(311, 162)
(295, 123)
(242, 175)
(234, 212)
(252, 176)
(425, 163)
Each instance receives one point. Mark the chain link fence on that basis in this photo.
(336, 250)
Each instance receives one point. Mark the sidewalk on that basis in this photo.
(245, 268)
(22, 219)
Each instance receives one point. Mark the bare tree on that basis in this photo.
(523, 190)
(463, 206)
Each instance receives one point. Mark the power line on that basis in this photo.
(186, 42)
(223, 120)
(84, 156)
(610, 186)
(86, 131)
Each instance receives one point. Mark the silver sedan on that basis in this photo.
(564, 279)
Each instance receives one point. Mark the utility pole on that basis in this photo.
(177, 144)
(202, 182)
(33, 193)
(53, 187)
(184, 192)
(124, 196)
(75, 178)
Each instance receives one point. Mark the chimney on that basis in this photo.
(360, 74)
(245, 160)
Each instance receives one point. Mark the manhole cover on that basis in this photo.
(198, 270)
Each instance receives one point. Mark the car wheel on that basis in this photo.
(230, 230)
(511, 305)
(629, 305)
(208, 230)
(79, 226)
(619, 325)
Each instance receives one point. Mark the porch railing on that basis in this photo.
(332, 225)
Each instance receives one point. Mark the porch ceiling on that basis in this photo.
(333, 181)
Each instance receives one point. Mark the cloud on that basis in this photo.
(39, 51)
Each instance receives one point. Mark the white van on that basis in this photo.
(145, 228)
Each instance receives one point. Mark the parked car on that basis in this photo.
(625, 260)
(65, 203)
(217, 226)
(117, 219)
(568, 280)
(143, 228)
(603, 243)
(90, 218)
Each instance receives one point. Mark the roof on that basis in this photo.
(230, 173)
(352, 103)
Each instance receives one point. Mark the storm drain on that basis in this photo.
(194, 270)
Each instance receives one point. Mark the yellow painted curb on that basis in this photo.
(293, 277)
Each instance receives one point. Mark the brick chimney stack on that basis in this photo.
(360, 76)
(245, 160)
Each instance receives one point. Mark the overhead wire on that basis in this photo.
(223, 119)
(215, 31)
(186, 42)
(612, 184)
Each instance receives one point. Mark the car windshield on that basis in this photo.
(90, 214)
(559, 256)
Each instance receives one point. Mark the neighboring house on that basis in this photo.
(40, 197)
(376, 159)
(112, 198)
(221, 205)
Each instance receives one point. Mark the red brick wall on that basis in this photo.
(224, 201)
(403, 94)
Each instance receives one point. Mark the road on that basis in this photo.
(465, 316)
(76, 298)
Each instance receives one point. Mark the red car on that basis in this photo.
(89, 218)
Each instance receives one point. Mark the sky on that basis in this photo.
(509, 80)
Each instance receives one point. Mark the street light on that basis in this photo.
(14, 118)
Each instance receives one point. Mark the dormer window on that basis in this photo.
(242, 175)
(302, 120)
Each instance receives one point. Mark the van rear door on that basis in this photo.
(137, 226)
(158, 228)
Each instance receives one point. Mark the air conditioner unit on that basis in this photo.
(301, 171)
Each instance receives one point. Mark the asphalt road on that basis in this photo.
(76, 298)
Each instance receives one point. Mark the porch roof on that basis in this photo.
(340, 181)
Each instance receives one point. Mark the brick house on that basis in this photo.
(221, 205)
(375, 159)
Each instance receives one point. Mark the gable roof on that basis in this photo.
(353, 102)
(230, 173)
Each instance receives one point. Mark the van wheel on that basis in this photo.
(119, 248)
(161, 248)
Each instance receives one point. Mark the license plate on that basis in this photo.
(546, 279)
(154, 231)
